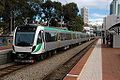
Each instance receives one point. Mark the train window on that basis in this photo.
(77, 36)
(68, 36)
(47, 36)
(58, 36)
(24, 38)
(65, 36)
(82, 36)
(53, 36)
(74, 36)
(62, 36)
(50, 36)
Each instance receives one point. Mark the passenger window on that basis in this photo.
(50, 36)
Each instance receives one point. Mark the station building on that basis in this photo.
(111, 30)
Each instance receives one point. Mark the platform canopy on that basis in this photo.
(115, 29)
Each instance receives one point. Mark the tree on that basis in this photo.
(78, 23)
(16, 10)
(70, 11)
(71, 17)
(1, 7)
(52, 12)
(59, 9)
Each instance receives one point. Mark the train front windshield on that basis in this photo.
(24, 36)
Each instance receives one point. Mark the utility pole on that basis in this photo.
(14, 24)
(49, 21)
(61, 20)
(11, 23)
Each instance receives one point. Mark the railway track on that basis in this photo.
(62, 71)
(42, 70)
(9, 69)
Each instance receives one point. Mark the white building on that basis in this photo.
(111, 25)
(84, 13)
(88, 30)
(115, 7)
(109, 21)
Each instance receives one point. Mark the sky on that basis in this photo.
(97, 9)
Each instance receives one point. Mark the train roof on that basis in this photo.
(56, 29)
(46, 27)
(50, 28)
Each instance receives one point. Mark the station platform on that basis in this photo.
(5, 47)
(99, 63)
(5, 54)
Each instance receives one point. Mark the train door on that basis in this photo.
(40, 46)
(43, 37)
(39, 40)
(58, 39)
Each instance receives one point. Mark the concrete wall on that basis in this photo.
(5, 56)
(116, 41)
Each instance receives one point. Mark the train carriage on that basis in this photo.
(32, 40)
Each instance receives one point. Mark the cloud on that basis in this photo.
(96, 15)
(105, 0)
(96, 18)
(100, 4)
(97, 21)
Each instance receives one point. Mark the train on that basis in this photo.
(33, 41)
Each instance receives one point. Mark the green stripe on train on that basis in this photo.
(38, 47)
(56, 29)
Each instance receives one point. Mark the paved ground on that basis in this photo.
(74, 73)
(111, 63)
(100, 63)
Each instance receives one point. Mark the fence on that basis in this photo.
(6, 40)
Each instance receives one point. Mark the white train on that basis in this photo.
(31, 42)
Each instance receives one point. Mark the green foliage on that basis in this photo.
(59, 8)
(71, 17)
(1, 6)
(76, 24)
(70, 11)
(19, 10)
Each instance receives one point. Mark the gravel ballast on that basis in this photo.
(41, 69)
